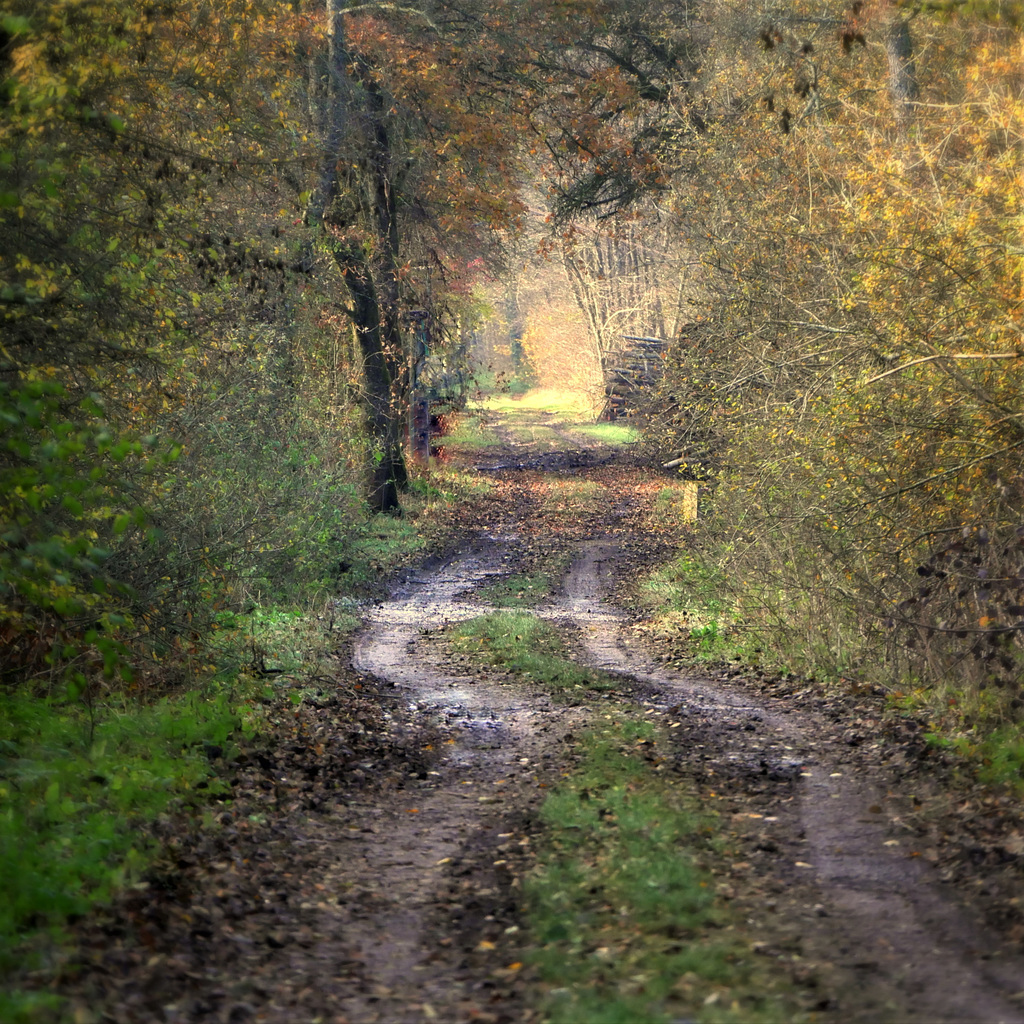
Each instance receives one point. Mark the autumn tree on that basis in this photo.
(144, 308)
(860, 281)
(417, 173)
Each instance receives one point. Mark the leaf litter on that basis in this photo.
(365, 865)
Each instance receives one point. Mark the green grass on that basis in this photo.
(608, 433)
(286, 641)
(487, 382)
(995, 758)
(444, 485)
(689, 587)
(621, 914)
(522, 591)
(521, 643)
(674, 504)
(381, 545)
(570, 406)
(470, 433)
(74, 793)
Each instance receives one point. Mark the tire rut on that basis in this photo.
(882, 934)
(499, 740)
(935, 956)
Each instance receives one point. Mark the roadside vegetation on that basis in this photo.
(87, 773)
(78, 793)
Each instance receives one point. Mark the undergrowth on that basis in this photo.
(82, 780)
(712, 619)
(75, 795)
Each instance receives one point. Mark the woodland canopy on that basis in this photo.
(223, 227)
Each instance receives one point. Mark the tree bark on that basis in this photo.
(899, 50)
(388, 471)
(370, 271)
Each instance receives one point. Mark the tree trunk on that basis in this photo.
(899, 49)
(372, 284)
(388, 471)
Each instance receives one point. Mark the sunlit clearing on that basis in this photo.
(567, 406)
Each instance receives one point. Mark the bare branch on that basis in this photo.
(942, 355)
(391, 8)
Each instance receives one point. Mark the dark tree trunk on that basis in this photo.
(899, 49)
(388, 471)
(353, 116)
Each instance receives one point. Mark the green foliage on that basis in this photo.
(707, 638)
(850, 377)
(121, 276)
(20, 1007)
(521, 643)
(994, 756)
(381, 545)
(621, 912)
(687, 584)
(264, 501)
(73, 795)
(68, 491)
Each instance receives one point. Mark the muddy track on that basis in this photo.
(911, 951)
(854, 914)
(499, 740)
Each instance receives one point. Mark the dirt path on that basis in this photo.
(498, 737)
(894, 945)
(370, 871)
(875, 934)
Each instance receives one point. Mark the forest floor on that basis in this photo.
(371, 860)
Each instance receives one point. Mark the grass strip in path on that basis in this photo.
(530, 647)
(620, 906)
(523, 590)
